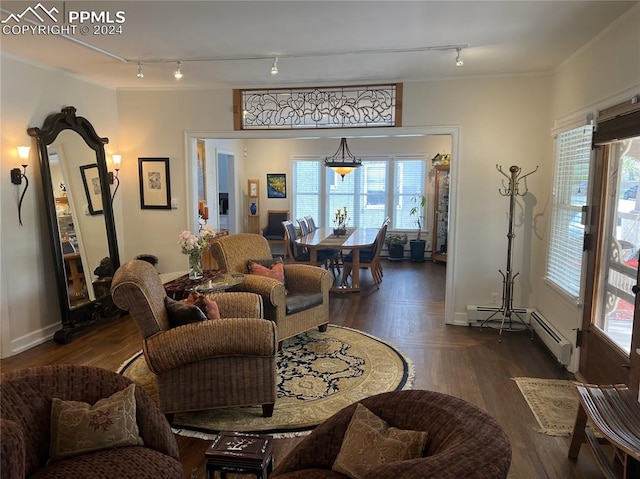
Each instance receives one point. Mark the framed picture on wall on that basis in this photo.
(252, 188)
(276, 185)
(155, 185)
(92, 188)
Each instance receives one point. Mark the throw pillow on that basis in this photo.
(272, 268)
(181, 313)
(78, 427)
(208, 306)
(369, 442)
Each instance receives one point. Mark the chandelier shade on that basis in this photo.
(343, 161)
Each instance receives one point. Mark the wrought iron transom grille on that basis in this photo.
(320, 107)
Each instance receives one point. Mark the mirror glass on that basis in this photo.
(80, 217)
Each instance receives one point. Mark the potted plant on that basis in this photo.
(395, 244)
(417, 213)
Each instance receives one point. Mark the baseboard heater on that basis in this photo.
(559, 346)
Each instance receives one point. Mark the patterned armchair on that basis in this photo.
(462, 440)
(25, 427)
(306, 303)
(203, 365)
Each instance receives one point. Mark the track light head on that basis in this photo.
(178, 74)
(459, 61)
(140, 72)
(274, 67)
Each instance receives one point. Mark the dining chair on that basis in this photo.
(311, 223)
(369, 259)
(304, 227)
(299, 254)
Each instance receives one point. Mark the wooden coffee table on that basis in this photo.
(240, 454)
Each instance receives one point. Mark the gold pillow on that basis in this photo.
(369, 442)
(78, 427)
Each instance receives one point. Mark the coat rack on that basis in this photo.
(512, 190)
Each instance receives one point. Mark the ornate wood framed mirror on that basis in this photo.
(75, 183)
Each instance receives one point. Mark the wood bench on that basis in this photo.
(614, 413)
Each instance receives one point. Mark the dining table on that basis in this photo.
(354, 239)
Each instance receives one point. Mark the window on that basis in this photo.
(381, 187)
(409, 178)
(571, 176)
(306, 189)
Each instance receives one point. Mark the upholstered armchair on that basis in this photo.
(203, 365)
(306, 302)
(462, 440)
(274, 232)
(25, 427)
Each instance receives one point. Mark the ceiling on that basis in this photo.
(232, 44)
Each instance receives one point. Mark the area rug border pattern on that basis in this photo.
(408, 377)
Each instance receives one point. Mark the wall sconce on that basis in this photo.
(113, 177)
(17, 175)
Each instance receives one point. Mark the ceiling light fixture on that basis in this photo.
(178, 73)
(274, 67)
(459, 61)
(140, 73)
(343, 161)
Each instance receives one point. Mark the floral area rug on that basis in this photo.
(318, 374)
(554, 403)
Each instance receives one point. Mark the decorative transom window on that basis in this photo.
(322, 107)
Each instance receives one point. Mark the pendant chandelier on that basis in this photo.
(343, 162)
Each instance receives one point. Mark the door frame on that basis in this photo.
(601, 360)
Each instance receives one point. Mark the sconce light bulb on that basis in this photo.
(117, 159)
(23, 152)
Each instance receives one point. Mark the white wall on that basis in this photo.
(604, 72)
(29, 311)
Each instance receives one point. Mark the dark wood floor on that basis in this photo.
(408, 311)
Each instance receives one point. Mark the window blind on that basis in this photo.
(569, 194)
(409, 179)
(306, 189)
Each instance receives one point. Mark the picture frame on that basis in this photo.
(155, 183)
(93, 190)
(276, 185)
(253, 188)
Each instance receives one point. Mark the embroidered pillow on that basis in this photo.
(181, 313)
(270, 268)
(208, 306)
(78, 427)
(369, 442)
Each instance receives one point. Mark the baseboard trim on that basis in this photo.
(33, 339)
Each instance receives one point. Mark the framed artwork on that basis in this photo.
(252, 188)
(276, 185)
(155, 184)
(92, 188)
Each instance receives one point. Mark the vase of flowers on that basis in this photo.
(193, 246)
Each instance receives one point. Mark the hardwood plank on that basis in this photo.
(408, 311)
